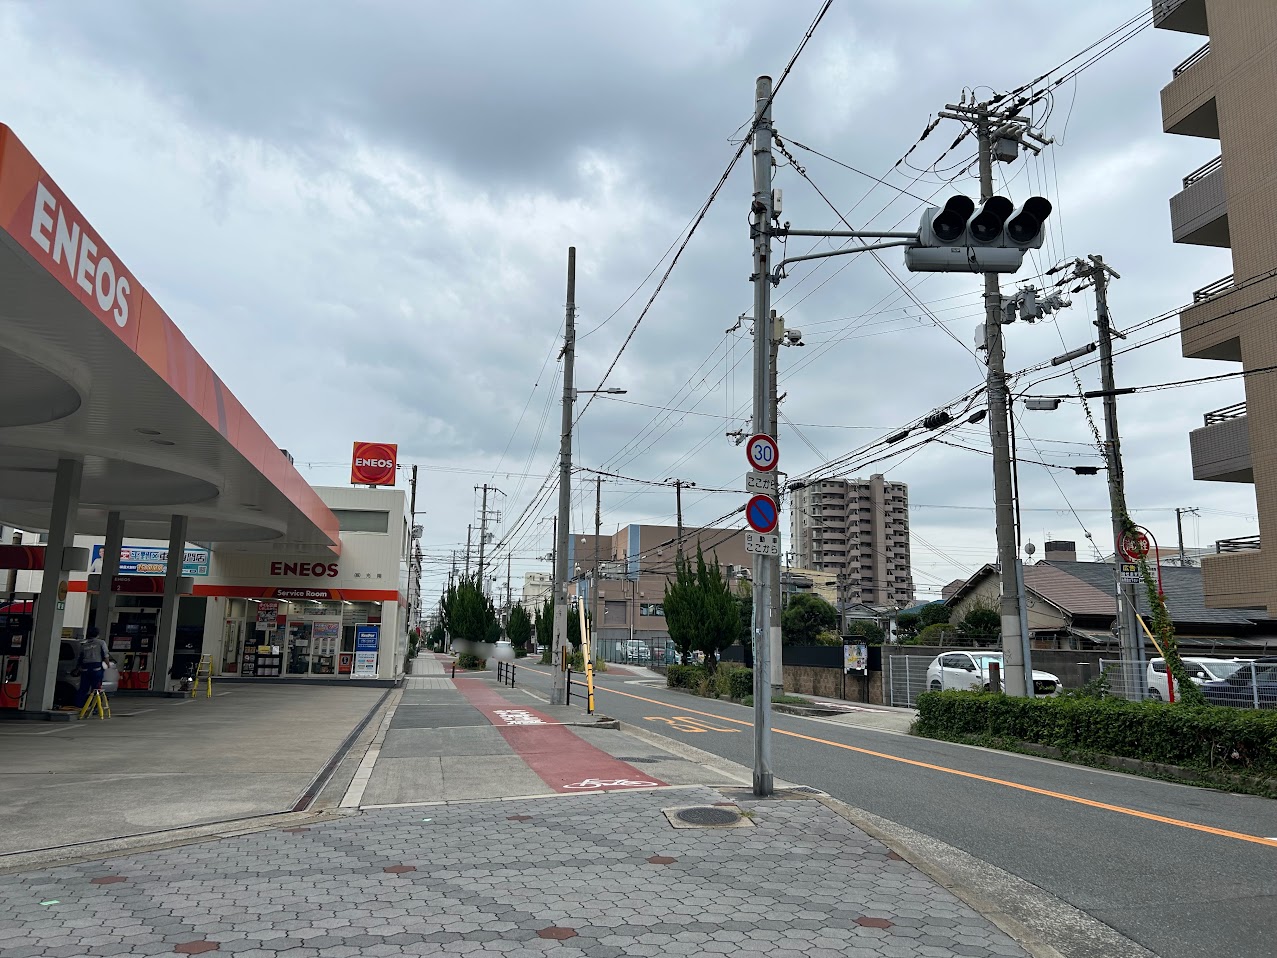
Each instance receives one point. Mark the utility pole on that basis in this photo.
(508, 603)
(598, 517)
(1003, 134)
(1013, 640)
(678, 510)
(483, 532)
(1179, 527)
(765, 567)
(558, 681)
(452, 573)
(469, 530)
(1094, 270)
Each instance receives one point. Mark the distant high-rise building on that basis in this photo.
(1224, 92)
(857, 529)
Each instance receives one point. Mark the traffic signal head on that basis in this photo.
(961, 238)
(985, 225)
(950, 222)
(1024, 226)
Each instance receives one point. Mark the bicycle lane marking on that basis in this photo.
(1018, 786)
(560, 758)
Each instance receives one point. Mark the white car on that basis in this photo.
(637, 650)
(1199, 670)
(504, 651)
(970, 670)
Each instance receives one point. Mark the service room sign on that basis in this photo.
(373, 464)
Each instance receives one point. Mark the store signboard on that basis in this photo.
(365, 665)
(267, 615)
(152, 560)
(373, 463)
(367, 638)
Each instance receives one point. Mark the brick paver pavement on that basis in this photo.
(600, 875)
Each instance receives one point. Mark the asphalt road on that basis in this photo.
(1183, 871)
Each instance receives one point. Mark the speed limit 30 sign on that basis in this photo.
(762, 452)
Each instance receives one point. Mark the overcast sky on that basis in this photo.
(359, 213)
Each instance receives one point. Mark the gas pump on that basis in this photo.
(132, 644)
(15, 646)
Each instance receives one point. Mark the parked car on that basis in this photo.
(1250, 684)
(637, 650)
(67, 685)
(1200, 670)
(970, 670)
(504, 652)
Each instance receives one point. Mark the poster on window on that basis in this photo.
(365, 665)
(267, 615)
(326, 636)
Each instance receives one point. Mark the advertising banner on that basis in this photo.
(373, 464)
(367, 638)
(151, 560)
(855, 657)
(365, 665)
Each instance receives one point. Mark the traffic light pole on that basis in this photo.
(1016, 668)
(765, 566)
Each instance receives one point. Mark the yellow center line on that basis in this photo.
(1062, 796)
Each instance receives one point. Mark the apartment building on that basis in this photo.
(1224, 92)
(626, 598)
(858, 530)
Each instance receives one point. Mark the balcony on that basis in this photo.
(1188, 101)
(1182, 16)
(1211, 328)
(1234, 577)
(1199, 213)
(1221, 448)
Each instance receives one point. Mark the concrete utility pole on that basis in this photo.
(509, 606)
(469, 530)
(765, 567)
(558, 681)
(598, 517)
(1179, 527)
(1015, 667)
(483, 532)
(1130, 638)
(678, 510)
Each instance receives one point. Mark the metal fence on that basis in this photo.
(906, 679)
(636, 651)
(1252, 686)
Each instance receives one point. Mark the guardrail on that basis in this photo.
(1204, 171)
(1239, 544)
(1228, 413)
(1195, 58)
(505, 673)
(589, 709)
(1217, 288)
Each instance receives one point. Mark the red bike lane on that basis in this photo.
(559, 758)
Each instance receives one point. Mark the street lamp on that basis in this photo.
(610, 391)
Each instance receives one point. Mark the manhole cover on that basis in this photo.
(708, 816)
(806, 789)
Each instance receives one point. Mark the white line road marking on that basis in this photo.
(517, 717)
(610, 783)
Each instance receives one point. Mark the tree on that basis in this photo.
(437, 637)
(871, 632)
(745, 613)
(981, 623)
(932, 634)
(934, 614)
(701, 611)
(806, 616)
(907, 625)
(519, 628)
(468, 615)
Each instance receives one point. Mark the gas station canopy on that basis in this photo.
(92, 369)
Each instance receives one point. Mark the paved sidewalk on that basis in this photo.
(483, 822)
(601, 875)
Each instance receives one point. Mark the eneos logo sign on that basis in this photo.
(373, 464)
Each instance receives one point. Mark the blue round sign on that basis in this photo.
(761, 514)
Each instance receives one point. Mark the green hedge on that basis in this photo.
(685, 676)
(740, 683)
(1208, 739)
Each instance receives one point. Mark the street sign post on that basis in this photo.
(761, 513)
(1133, 546)
(761, 543)
(764, 482)
(762, 452)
